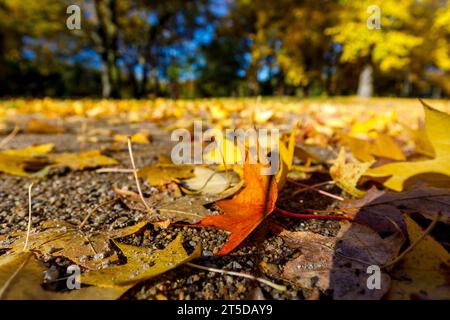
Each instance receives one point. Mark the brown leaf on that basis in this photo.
(339, 264)
(378, 206)
(188, 208)
(42, 127)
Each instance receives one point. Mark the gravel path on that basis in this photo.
(69, 195)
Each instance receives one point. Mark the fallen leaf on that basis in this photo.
(419, 136)
(381, 217)
(376, 123)
(383, 146)
(208, 181)
(246, 210)
(59, 238)
(21, 278)
(437, 125)
(339, 264)
(286, 159)
(39, 126)
(80, 161)
(184, 209)
(162, 173)
(31, 151)
(142, 264)
(377, 205)
(317, 153)
(189, 208)
(21, 162)
(423, 272)
(226, 151)
(139, 138)
(346, 175)
(127, 231)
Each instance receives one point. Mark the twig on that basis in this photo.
(136, 176)
(311, 216)
(29, 217)
(239, 274)
(9, 137)
(416, 242)
(309, 187)
(305, 186)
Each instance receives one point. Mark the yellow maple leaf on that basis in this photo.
(79, 161)
(142, 264)
(423, 271)
(437, 128)
(16, 161)
(346, 175)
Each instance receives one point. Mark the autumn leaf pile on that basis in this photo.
(388, 171)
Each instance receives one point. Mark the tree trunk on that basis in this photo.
(106, 40)
(144, 81)
(406, 86)
(365, 84)
(2, 65)
(106, 83)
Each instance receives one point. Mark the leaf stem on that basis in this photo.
(9, 137)
(416, 242)
(305, 186)
(29, 217)
(311, 216)
(136, 178)
(239, 274)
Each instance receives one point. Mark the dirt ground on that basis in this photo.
(69, 195)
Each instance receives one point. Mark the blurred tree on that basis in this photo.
(388, 48)
(100, 28)
(22, 20)
(161, 26)
(224, 64)
(288, 40)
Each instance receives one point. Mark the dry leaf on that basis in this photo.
(286, 159)
(208, 181)
(346, 175)
(80, 161)
(59, 238)
(189, 208)
(424, 272)
(164, 173)
(21, 278)
(20, 161)
(226, 151)
(437, 125)
(142, 264)
(383, 146)
(339, 264)
(381, 217)
(39, 126)
(378, 205)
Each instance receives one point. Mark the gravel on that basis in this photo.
(70, 195)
